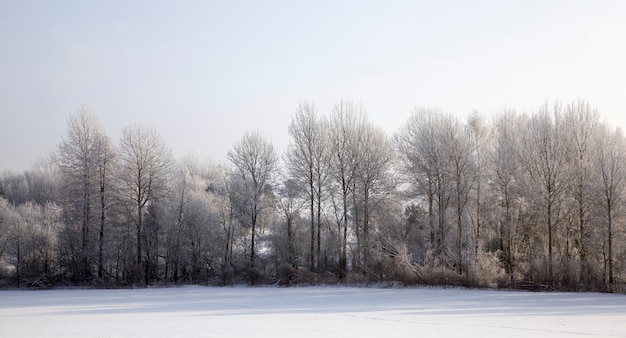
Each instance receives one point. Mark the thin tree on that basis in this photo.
(504, 179)
(254, 162)
(609, 161)
(478, 133)
(106, 164)
(461, 168)
(375, 177)
(224, 196)
(303, 160)
(582, 121)
(288, 203)
(145, 168)
(344, 132)
(420, 143)
(83, 158)
(544, 158)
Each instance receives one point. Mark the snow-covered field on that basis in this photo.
(309, 312)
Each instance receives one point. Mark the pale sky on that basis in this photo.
(202, 73)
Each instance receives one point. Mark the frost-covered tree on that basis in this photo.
(478, 132)
(306, 166)
(145, 169)
(420, 143)
(188, 222)
(505, 184)
(344, 134)
(582, 122)
(609, 160)
(543, 155)
(289, 206)
(375, 180)
(31, 241)
(254, 163)
(85, 160)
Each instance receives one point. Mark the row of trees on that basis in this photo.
(526, 200)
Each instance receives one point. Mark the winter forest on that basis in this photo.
(531, 200)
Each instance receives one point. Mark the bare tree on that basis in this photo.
(478, 133)
(609, 161)
(183, 177)
(456, 152)
(544, 158)
(344, 133)
(289, 206)
(12, 236)
(43, 182)
(582, 121)
(254, 162)
(107, 163)
(15, 187)
(505, 177)
(188, 221)
(420, 143)
(223, 195)
(85, 158)
(375, 177)
(305, 161)
(5, 208)
(145, 169)
(31, 244)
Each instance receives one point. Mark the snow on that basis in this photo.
(309, 312)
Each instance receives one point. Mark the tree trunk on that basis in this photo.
(139, 249)
(431, 215)
(319, 222)
(252, 255)
(581, 238)
(478, 220)
(366, 216)
(509, 253)
(343, 262)
(85, 252)
(290, 246)
(101, 235)
(18, 262)
(356, 255)
(312, 205)
(550, 240)
(610, 243)
(459, 223)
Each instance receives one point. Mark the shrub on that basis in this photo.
(286, 274)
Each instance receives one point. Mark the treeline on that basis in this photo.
(532, 200)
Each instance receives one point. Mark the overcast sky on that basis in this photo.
(202, 73)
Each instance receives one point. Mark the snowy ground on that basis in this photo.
(309, 312)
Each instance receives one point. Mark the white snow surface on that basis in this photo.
(309, 312)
